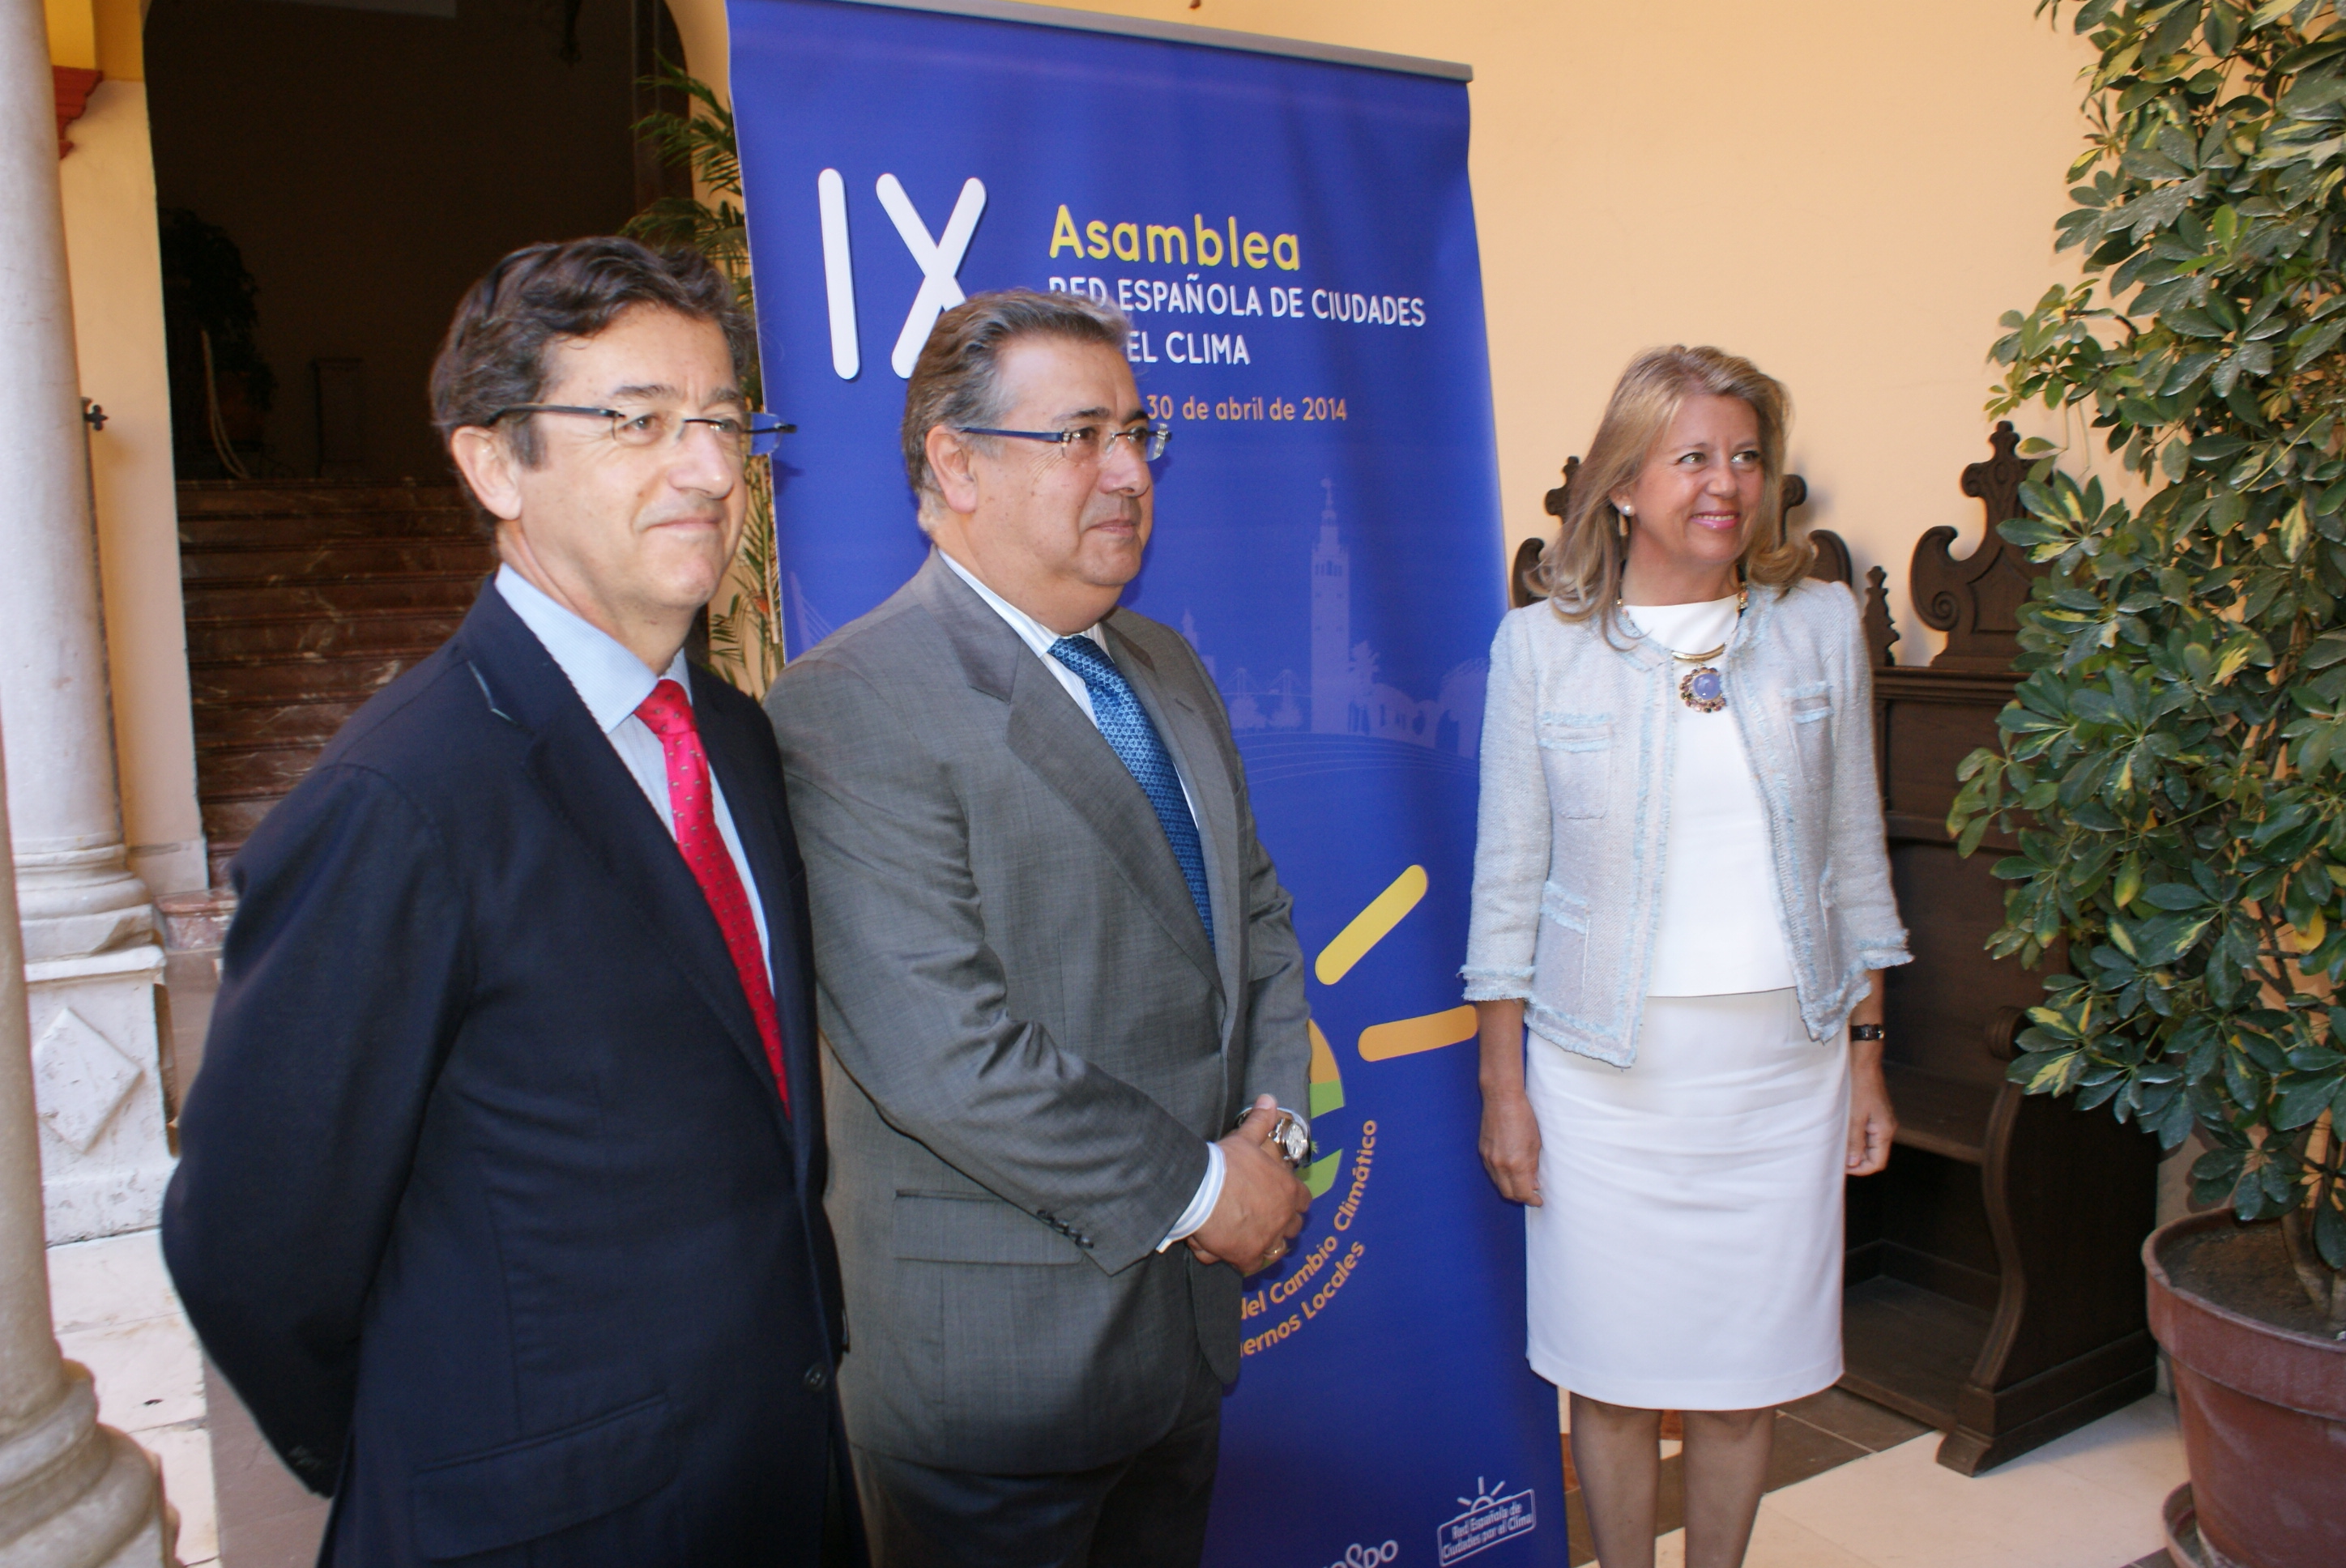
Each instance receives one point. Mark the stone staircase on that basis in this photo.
(304, 599)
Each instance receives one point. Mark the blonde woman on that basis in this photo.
(1681, 910)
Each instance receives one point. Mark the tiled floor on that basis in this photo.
(1812, 1435)
(1853, 1485)
(2090, 1500)
(266, 1518)
(116, 1314)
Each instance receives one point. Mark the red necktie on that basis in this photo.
(669, 716)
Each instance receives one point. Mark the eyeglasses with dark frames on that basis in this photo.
(1089, 442)
(758, 435)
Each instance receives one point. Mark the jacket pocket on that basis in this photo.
(1560, 950)
(1812, 711)
(958, 1227)
(532, 1487)
(1576, 753)
(1566, 908)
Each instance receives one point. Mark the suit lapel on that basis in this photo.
(751, 781)
(1050, 734)
(572, 765)
(1188, 734)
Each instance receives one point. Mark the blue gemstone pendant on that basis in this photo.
(1703, 689)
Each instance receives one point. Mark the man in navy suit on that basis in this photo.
(500, 1200)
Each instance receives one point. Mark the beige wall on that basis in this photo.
(1849, 192)
(701, 23)
(72, 33)
(108, 181)
(110, 244)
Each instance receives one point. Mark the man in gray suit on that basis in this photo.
(1055, 967)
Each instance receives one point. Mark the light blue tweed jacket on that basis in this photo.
(1578, 747)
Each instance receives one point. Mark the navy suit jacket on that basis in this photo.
(487, 1205)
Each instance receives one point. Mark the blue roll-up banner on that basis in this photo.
(1294, 241)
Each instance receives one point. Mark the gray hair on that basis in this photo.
(955, 382)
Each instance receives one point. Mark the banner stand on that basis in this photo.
(1290, 231)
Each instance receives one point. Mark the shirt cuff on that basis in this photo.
(1201, 1202)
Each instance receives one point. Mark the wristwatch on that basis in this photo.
(1289, 1138)
(1865, 1031)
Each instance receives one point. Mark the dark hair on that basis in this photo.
(494, 356)
(954, 381)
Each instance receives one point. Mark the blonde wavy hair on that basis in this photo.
(1580, 570)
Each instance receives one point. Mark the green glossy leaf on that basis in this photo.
(2192, 323)
(2051, 1072)
(2304, 1099)
(2173, 1123)
(2096, 707)
(2167, 938)
(2175, 31)
(2222, 29)
(2330, 1234)
(2313, 341)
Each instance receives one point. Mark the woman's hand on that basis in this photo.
(1511, 1147)
(1871, 1122)
(1511, 1142)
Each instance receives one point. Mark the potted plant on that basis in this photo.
(2175, 762)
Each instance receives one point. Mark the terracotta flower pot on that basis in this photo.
(2260, 1390)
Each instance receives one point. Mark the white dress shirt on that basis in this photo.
(1039, 638)
(613, 683)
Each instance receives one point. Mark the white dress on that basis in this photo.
(1687, 1251)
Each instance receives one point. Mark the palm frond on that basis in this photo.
(701, 138)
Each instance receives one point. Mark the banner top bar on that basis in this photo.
(1182, 33)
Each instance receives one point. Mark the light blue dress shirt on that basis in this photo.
(613, 683)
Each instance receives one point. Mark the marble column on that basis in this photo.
(90, 956)
(73, 1494)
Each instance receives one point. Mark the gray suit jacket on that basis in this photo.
(1030, 1040)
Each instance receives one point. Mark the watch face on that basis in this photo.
(1293, 1139)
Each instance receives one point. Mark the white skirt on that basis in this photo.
(1687, 1252)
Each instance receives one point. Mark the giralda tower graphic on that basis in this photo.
(1331, 625)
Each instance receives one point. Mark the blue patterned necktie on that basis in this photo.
(1125, 725)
